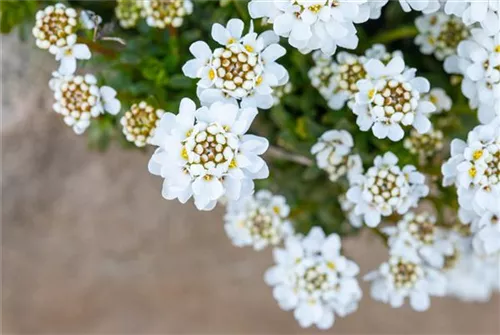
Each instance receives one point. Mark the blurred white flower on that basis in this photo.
(425, 6)
(399, 278)
(69, 54)
(140, 122)
(315, 24)
(425, 146)
(313, 279)
(258, 220)
(439, 98)
(391, 98)
(243, 69)
(164, 13)
(204, 153)
(385, 189)
(484, 12)
(89, 19)
(55, 27)
(280, 92)
(128, 12)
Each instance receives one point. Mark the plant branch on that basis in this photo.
(98, 47)
(395, 34)
(279, 153)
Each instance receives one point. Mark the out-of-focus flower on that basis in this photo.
(128, 12)
(164, 13)
(140, 122)
(424, 146)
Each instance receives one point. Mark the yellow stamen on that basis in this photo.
(477, 154)
(184, 153)
(211, 74)
(472, 172)
(249, 48)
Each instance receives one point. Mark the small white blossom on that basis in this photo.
(313, 279)
(399, 278)
(440, 34)
(55, 27)
(385, 189)
(69, 54)
(314, 24)
(321, 74)
(478, 61)
(439, 98)
(280, 92)
(204, 153)
(391, 98)
(89, 19)
(163, 13)
(258, 220)
(78, 99)
(425, 146)
(416, 237)
(484, 12)
(140, 122)
(425, 6)
(348, 208)
(128, 12)
(379, 51)
(243, 69)
(486, 234)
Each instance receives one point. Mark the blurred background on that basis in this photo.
(90, 246)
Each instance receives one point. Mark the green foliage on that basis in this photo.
(149, 66)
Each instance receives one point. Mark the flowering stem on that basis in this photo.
(395, 34)
(279, 153)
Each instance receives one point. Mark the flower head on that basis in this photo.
(439, 98)
(425, 146)
(140, 122)
(163, 13)
(89, 19)
(313, 279)
(258, 220)
(484, 12)
(55, 27)
(390, 99)
(385, 188)
(205, 153)
(242, 69)
(128, 12)
(78, 99)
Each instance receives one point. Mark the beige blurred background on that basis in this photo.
(90, 246)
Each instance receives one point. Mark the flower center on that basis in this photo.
(141, 120)
(260, 223)
(314, 280)
(452, 33)
(167, 9)
(56, 26)
(76, 97)
(349, 75)
(405, 274)
(423, 229)
(237, 70)
(396, 97)
(386, 185)
(493, 170)
(424, 145)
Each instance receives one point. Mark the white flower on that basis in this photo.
(399, 278)
(471, 277)
(55, 27)
(379, 51)
(425, 6)
(416, 237)
(258, 220)
(475, 169)
(374, 7)
(333, 151)
(243, 69)
(128, 12)
(314, 24)
(348, 208)
(281, 91)
(385, 189)
(321, 74)
(205, 153)
(89, 19)
(140, 122)
(486, 237)
(484, 12)
(163, 13)
(440, 34)
(314, 280)
(78, 99)
(478, 60)
(390, 99)
(425, 146)
(439, 98)
(69, 54)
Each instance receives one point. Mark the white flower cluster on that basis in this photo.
(478, 61)
(424, 6)
(164, 13)
(385, 189)
(316, 24)
(486, 13)
(440, 100)
(128, 12)
(78, 98)
(440, 34)
(204, 153)
(474, 168)
(242, 70)
(336, 79)
(425, 146)
(140, 123)
(312, 278)
(258, 220)
(390, 98)
(333, 154)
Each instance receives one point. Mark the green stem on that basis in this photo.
(395, 34)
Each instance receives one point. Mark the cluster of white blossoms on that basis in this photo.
(440, 100)
(385, 189)
(165, 13)
(204, 153)
(391, 98)
(425, 146)
(336, 79)
(312, 278)
(140, 123)
(333, 154)
(128, 12)
(79, 99)
(474, 168)
(280, 92)
(259, 220)
(242, 70)
(486, 13)
(478, 61)
(316, 24)
(440, 34)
